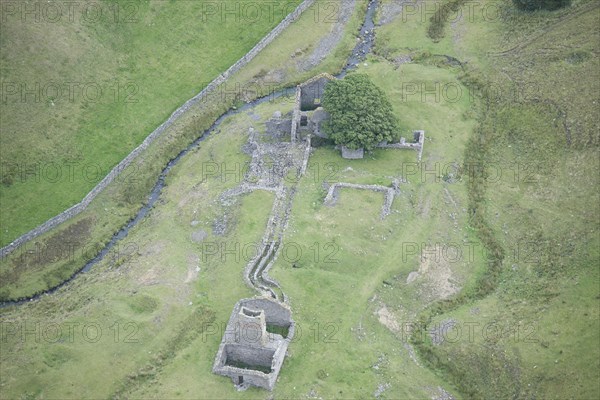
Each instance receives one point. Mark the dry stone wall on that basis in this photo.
(79, 207)
(417, 145)
(389, 193)
(351, 154)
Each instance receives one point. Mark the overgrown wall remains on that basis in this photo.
(115, 172)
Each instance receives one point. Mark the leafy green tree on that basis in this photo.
(532, 5)
(361, 115)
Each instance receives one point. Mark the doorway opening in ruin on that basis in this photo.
(240, 380)
(251, 313)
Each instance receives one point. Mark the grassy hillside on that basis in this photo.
(81, 90)
(154, 288)
(534, 318)
(342, 348)
(54, 257)
(482, 283)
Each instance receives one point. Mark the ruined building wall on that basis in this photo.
(270, 354)
(312, 94)
(275, 313)
(250, 355)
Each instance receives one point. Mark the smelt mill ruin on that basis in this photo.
(254, 345)
(255, 342)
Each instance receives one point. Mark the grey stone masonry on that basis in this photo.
(352, 154)
(306, 156)
(308, 97)
(296, 115)
(318, 117)
(311, 91)
(419, 141)
(249, 354)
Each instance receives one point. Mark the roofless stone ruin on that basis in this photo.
(254, 344)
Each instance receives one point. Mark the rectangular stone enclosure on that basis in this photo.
(255, 342)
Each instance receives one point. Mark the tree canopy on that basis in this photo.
(531, 5)
(361, 115)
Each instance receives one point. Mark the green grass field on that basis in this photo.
(100, 86)
(538, 136)
(158, 282)
(56, 255)
(508, 256)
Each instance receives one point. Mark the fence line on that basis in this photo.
(116, 171)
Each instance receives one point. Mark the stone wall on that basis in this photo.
(316, 122)
(269, 353)
(312, 93)
(421, 143)
(296, 115)
(306, 156)
(352, 154)
(275, 313)
(250, 355)
(417, 145)
(250, 377)
(79, 207)
(389, 193)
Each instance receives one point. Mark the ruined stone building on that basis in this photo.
(260, 329)
(255, 342)
(308, 111)
(309, 115)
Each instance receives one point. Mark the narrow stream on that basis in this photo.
(362, 49)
